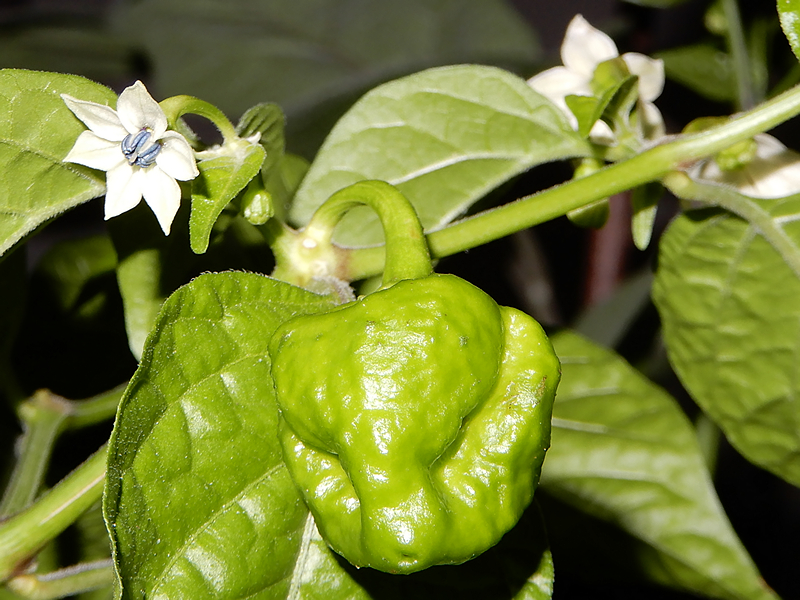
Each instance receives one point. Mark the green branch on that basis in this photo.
(651, 165)
(42, 417)
(24, 534)
(96, 409)
(64, 582)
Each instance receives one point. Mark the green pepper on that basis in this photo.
(414, 420)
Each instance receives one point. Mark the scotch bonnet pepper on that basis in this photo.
(414, 420)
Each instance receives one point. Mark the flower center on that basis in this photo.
(136, 150)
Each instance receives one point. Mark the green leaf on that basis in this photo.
(268, 121)
(304, 54)
(644, 205)
(36, 132)
(609, 75)
(789, 11)
(198, 500)
(445, 137)
(622, 450)
(726, 290)
(703, 69)
(587, 109)
(621, 100)
(224, 172)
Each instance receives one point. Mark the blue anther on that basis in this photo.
(133, 143)
(148, 156)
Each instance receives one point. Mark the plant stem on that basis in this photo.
(97, 409)
(42, 417)
(177, 106)
(742, 66)
(650, 165)
(24, 534)
(306, 256)
(64, 582)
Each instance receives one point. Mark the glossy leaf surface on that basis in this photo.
(199, 500)
(728, 301)
(445, 137)
(622, 450)
(36, 132)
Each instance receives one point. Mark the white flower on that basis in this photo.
(774, 171)
(132, 144)
(582, 50)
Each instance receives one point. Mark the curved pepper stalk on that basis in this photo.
(415, 420)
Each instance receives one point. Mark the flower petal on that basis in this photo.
(102, 120)
(585, 47)
(650, 72)
(163, 194)
(137, 110)
(769, 147)
(559, 82)
(123, 189)
(177, 157)
(601, 133)
(652, 121)
(93, 151)
(773, 173)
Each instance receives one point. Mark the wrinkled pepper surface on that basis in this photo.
(415, 420)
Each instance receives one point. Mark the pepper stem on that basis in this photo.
(310, 253)
(407, 255)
